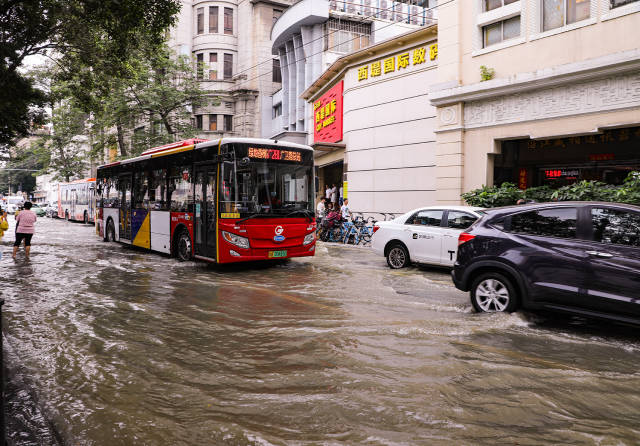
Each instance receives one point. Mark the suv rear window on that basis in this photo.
(560, 222)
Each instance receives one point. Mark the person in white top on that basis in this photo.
(344, 210)
(328, 193)
(341, 197)
(320, 209)
(334, 194)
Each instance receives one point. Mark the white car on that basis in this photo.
(425, 235)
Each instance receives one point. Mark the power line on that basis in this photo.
(342, 43)
(373, 16)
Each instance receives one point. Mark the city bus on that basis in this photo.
(77, 200)
(221, 201)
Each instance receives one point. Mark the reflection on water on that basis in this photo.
(110, 345)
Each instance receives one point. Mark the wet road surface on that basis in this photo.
(109, 345)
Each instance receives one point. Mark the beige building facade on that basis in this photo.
(560, 99)
(230, 44)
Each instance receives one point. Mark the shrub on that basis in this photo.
(508, 194)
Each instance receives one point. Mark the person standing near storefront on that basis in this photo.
(341, 196)
(320, 209)
(334, 195)
(327, 193)
(345, 211)
(25, 228)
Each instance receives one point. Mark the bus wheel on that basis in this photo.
(86, 219)
(110, 232)
(183, 246)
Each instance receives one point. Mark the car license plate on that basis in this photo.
(275, 254)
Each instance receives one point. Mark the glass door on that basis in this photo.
(205, 229)
(124, 190)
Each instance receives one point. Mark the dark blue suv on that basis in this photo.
(575, 257)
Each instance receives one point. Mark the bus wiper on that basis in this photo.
(307, 213)
(253, 216)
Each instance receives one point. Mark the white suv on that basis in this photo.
(425, 235)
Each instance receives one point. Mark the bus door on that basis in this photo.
(124, 190)
(72, 204)
(205, 229)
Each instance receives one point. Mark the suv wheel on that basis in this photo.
(397, 256)
(493, 292)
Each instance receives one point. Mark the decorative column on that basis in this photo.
(449, 154)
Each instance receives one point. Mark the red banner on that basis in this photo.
(522, 178)
(328, 115)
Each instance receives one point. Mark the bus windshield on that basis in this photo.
(267, 181)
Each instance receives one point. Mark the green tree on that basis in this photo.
(164, 90)
(64, 152)
(99, 33)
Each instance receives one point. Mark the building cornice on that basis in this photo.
(599, 67)
(337, 69)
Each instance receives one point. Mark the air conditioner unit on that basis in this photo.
(417, 15)
(400, 12)
(367, 9)
(351, 6)
(383, 9)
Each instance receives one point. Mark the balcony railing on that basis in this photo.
(392, 10)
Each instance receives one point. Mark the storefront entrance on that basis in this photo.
(606, 157)
(330, 174)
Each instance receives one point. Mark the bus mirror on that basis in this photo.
(245, 161)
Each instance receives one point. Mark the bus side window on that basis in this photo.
(157, 189)
(141, 190)
(181, 190)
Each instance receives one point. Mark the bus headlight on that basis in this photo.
(241, 242)
(309, 238)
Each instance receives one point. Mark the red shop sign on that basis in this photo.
(327, 113)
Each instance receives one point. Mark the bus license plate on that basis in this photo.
(275, 254)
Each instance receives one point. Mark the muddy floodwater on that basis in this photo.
(109, 345)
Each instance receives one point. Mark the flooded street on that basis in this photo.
(109, 345)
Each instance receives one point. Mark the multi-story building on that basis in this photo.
(536, 92)
(312, 34)
(230, 43)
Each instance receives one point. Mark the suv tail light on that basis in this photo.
(464, 238)
(375, 228)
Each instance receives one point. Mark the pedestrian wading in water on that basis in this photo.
(25, 228)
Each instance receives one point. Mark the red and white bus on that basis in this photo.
(77, 200)
(229, 200)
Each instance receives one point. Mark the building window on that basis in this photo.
(277, 111)
(501, 31)
(344, 36)
(228, 21)
(277, 74)
(200, 15)
(213, 123)
(558, 13)
(200, 66)
(616, 3)
(228, 66)
(213, 66)
(277, 13)
(213, 19)
(199, 122)
(495, 4)
(228, 123)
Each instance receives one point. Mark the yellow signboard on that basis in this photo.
(398, 62)
(229, 215)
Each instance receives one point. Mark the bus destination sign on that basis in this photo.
(275, 154)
